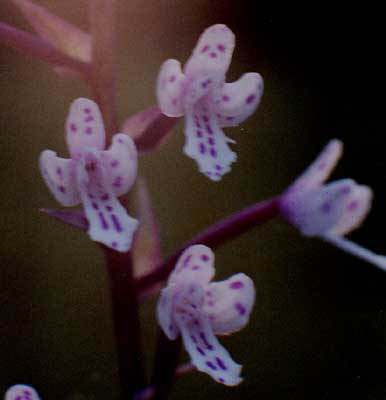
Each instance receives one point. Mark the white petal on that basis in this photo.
(213, 51)
(206, 143)
(236, 101)
(84, 127)
(321, 168)
(357, 204)
(120, 163)
(229, 303)
(165, 309)
(21, 392)
(206, 353)
(59, 175)
(194, 265)
(318, 211)
(169, 88)
(108, 220)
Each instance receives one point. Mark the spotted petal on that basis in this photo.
(120, 164)
(108, 220)
(206, 143)
(356, 206)
(59, 175)
(229, 303)
(206, 352)
(165, 308)
(84, 127)
(213, 51)
(194, 265)
(321, 168)
(21, 392)
(169, 88)
(236, 101)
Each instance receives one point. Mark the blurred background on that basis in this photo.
(318, 329)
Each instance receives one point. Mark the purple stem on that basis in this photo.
(126, 322)
(217, 234)
(29, 44)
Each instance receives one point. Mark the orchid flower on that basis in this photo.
(198, 309)
(21, 392)
(93, 176)
(331, 210)
(208, 103)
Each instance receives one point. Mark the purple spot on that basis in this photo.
(187, 259)
(114, 244)
(202, 148)
(104, 224)
(240, 308)
(194, 338)
(205, 118)
(62, 189)
(198, 125)
(218, 167)
(199, 349)
(117, 181)
(230, 118)
(91, 196)
(114, 163)
(210, 303)
(205, 48)
(221, 380)
(207, 344)
(88, 130)
(209, 293)
(211, 141)
(59, 171)
(198, 133)
(105, 197)
(95, 206)
(73, 127)
(220, 363)
(196, 322)
(87, 110)
(236, 285)
(204, 257)
(217, 174)
(213, 152)
(211, 365)
(109, 208)
(89, 118)
(195, 268)
(116, 223)
(212, 317)
(346, 190)
(221, 47)
(250, 98)
(225, 98)
(172, 78)
(209, 129)
(120, 140)
(213, 54)
(353, 205)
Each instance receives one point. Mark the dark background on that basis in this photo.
(319, 325)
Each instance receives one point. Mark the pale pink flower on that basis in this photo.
(198, 309)
(93, 176)
(330, 210)
(21, 392)
(200, 93)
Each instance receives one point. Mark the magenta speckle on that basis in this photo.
(103, 221)
(114, 245)
(213, 54)
(209, 129)
(240, 308)
(221, 47)
(109, 208)
(204, 257)
(205, 48)
(218, 167)
(172, 78)
(95, 206)
(225, 98)
(211, 365)
(230, 118)
(62, 189)
(59, 171)
(195, 268)
(199, 349)
(250, 99)
(73, 127)
(213, 152)
(118, 181)
(198, 133)
(87, 110)
(88, 130)
(114, 163)
(220, 363)
(353, 205)
(202, 148)
(205, 118)
(236, 285)
(187, 259)
(174, 101)
(116, 223)
(211, 141)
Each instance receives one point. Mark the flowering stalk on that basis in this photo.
(126, 321)
(216, 235)
(29, 44)
(102, 18)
